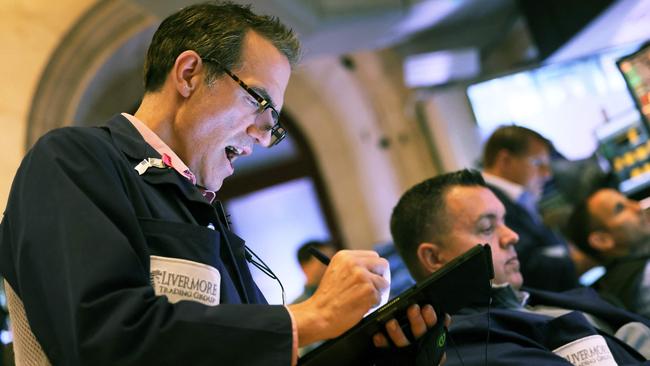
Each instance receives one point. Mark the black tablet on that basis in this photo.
(463, 282)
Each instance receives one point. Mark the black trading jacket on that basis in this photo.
(78, 233)
(512, 337)
(621, 283)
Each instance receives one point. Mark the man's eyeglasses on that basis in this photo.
(277, 131)
(540, 162)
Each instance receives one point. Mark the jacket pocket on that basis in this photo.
(180, 240)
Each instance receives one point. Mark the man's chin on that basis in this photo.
(213, 184)
(516, 282)
(641, 247)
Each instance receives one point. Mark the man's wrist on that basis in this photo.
(312, 324)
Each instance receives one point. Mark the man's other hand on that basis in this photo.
(420, 319)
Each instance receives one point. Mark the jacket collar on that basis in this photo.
(129, 141)
(127, 138)
(511, 189)
(506, 297)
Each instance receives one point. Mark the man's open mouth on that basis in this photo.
(232, 153)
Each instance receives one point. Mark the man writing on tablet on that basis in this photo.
(111, 242)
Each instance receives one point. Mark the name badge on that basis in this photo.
(180, 279)
(587, 351)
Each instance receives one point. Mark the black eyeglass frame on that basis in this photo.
(278, 133)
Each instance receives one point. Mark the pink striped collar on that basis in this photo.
(169, 157)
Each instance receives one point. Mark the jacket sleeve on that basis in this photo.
(72, 249)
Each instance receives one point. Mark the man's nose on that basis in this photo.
(545, 171)
(507, 237)
(261, 132)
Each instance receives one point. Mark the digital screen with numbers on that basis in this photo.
(636, 72)
(623, 141)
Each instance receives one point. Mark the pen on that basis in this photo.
(319, 255)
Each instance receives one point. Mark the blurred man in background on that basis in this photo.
(312, 267)
(615, 231)
(516, 166)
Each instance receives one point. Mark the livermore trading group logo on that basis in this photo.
(587, 351)
(180, 279)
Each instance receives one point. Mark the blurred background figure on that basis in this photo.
(615, 231)
(572, 182)
(516, 167)
(312, 267)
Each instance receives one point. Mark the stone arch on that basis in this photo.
(95, 72)
(76, 74)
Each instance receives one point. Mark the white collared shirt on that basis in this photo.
(511, 189)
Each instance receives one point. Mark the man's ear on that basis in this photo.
(429, 257)
(601, 241)
(502, 161)
(186, 72)
(504, 158)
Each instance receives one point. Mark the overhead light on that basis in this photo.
(441, 67)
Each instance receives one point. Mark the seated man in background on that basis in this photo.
(516, 166)
(312, 267)
(615, 231)
(443, 217)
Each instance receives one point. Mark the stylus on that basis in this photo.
(319, 255)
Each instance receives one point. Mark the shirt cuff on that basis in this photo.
(294, 347)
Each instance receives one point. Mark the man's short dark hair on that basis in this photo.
(420, 215)
(214, 29)
(580, 225)
(515, 139)
(303, 252)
